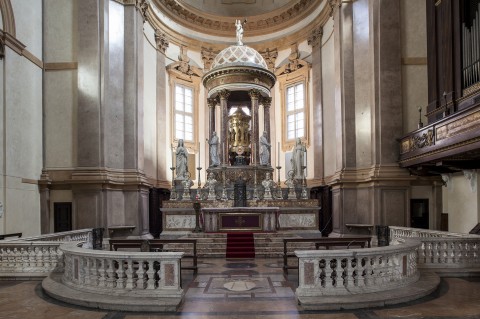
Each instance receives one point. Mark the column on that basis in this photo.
(211, 116)
(315, 41)
(267, 102)
(162, 45)
(254, 96)
(224, 94)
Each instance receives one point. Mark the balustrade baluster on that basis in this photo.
(142, 276)
(328, 274)
(46, 258)
(111, 280)
(101, 273)
(130, 273)
(150, 274)
(88, 266)
(81, 270)
(121, 281)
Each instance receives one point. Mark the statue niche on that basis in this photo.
(239, 138)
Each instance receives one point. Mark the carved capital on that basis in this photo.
(224, 94)
(161, 41)
(267, 102)
(254, 94)
(334, 5)
(270, 56)
(142, 6)
(211, 102)
(315, 38)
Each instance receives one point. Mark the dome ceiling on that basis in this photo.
(236, 8)
(211, 23)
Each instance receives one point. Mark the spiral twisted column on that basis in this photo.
(224, 94)
(254, 97)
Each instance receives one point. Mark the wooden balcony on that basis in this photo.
(447, 145)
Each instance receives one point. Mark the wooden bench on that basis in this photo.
(18, 235)
(157, 245)
(326, 242)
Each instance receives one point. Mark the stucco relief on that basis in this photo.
(296, 220)
(180, 221)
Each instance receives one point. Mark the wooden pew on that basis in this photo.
(326, 242)
(157, 245)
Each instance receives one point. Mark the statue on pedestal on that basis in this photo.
(298, 159)
(267, 184)
(239, 28)
(264, 150)
(210, 184)
(182, 160)
(215, 160)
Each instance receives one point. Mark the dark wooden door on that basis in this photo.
(62, 214)
(419, 213)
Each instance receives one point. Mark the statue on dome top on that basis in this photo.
(239, 26)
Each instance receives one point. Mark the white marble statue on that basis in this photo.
(298, 159)
(182, 161)
(210, 184)
(264, 150)
(239, 26)
(267, 184)
(213, 143)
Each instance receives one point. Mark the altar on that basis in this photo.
(259, 216)
(255, 219)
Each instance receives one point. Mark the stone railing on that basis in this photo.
(442, 249)
(406, 232)
(36, 256)
(356, 271)
(122, 273)
(30, 258)
(73, 235)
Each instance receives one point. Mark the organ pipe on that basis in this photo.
(471, 51)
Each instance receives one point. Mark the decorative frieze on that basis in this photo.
(461, 125)
(417, 141)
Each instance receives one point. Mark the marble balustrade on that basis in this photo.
(134, 274)
(36, 256)
(356, 271)
(442, 249)
(30, 258)
(73, 235)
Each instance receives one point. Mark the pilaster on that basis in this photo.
(254, 96)
(224, 94)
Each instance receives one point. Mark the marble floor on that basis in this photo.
(253, 288)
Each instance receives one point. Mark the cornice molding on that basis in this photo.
(7, 40)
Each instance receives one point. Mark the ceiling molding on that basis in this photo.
(180, 39)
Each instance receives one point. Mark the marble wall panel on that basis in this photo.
(363, 83)
(60, 30)
(88, 208)
(462, 203)
(22, 207)
(415, 94)
(116, 213)
(90, 66)
(60, 119)
(328, 100)
(113, 116)
(23, 117)
(150, 105)
(28, 24)
(414, 28)
(394, 207)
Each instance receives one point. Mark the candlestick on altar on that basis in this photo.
(279, 188)
(224, 196)
(306, 172)
(278, 154)
(304, 186)
(199, 190)
(173, 192)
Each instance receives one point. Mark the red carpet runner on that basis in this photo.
(240, 245)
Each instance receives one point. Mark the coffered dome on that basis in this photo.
(239, 55)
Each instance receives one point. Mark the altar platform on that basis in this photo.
(300, 215)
